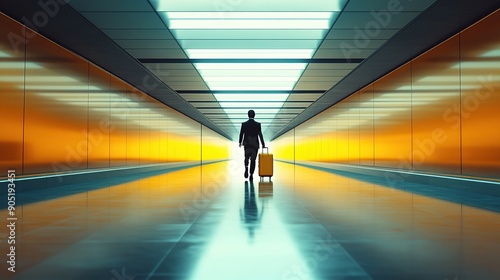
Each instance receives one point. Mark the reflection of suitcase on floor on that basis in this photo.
(265, 190)
(265, 164)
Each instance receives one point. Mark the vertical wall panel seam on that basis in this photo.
(201, 143)
(373, 124)
(294, 147)
(411, 116)
(109, 121)
(460, 150)
(88, 111)
(24, 104)
(359, 128)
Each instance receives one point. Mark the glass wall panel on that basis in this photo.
(366, 126)
(185, 138)
(155, 132)
(354, 122)
(57, 97)
(12, 57)
(326, 146)
(118, 122)
(316, 134)
(172, 138)
(435, 90)
(284, 148)
(163, 149)
(145, 129)
(98, 123)
(301, 142)
(332, 135)
(214, 146)
(342, 116)
(392, 118)
(134, 107)
(480, 83)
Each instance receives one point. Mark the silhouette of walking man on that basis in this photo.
(249, 137)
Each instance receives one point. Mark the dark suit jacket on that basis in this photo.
(249, 133)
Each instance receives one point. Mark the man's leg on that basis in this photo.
(247, 157)
(253, 156)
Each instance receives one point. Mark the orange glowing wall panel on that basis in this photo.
(118, 122)
(437, 113)
(283, 148)
(366, 148)
(435, 90)
(480, 83)
(98, 122)
(12, 95)
(353, 123)
(332, 136)
(392, 118)
(214, 146)
(133, 126)
(55, 125)
(163, 149)
(342, 128)
(155, 133)
(74, 115)
(144, 118)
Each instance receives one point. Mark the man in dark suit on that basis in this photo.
(249, 134)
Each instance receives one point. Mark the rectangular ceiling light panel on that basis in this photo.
(221, 8)
(248, 18)
(248, 24)
(250, 66)
(249, 53)
(271, 97)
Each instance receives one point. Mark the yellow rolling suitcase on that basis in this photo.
(265, 164)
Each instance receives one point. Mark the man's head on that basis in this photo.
(251, 114)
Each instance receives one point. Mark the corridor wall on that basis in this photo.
(60, 112)
(437, 113)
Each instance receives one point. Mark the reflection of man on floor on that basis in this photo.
(249, 138)
(250, 214)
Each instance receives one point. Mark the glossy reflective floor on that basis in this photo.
(207, 222)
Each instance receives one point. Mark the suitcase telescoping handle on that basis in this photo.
(267, 148)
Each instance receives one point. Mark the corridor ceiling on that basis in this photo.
(215, 59)
(228, 56)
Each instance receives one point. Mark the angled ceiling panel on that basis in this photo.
(138, 34)
(396, 6)
(337, 44)
(344, 53)
(332, 66)
(155, 53)
(124, 20)
(351, 34)
(319, 74)
(350, 20)
(304, 97)
(314, 85)
(147, 44)
(111, 6)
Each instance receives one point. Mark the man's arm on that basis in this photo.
(241, 135)
(261, 137)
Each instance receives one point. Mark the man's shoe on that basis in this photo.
(246, 173)
(251, 177)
